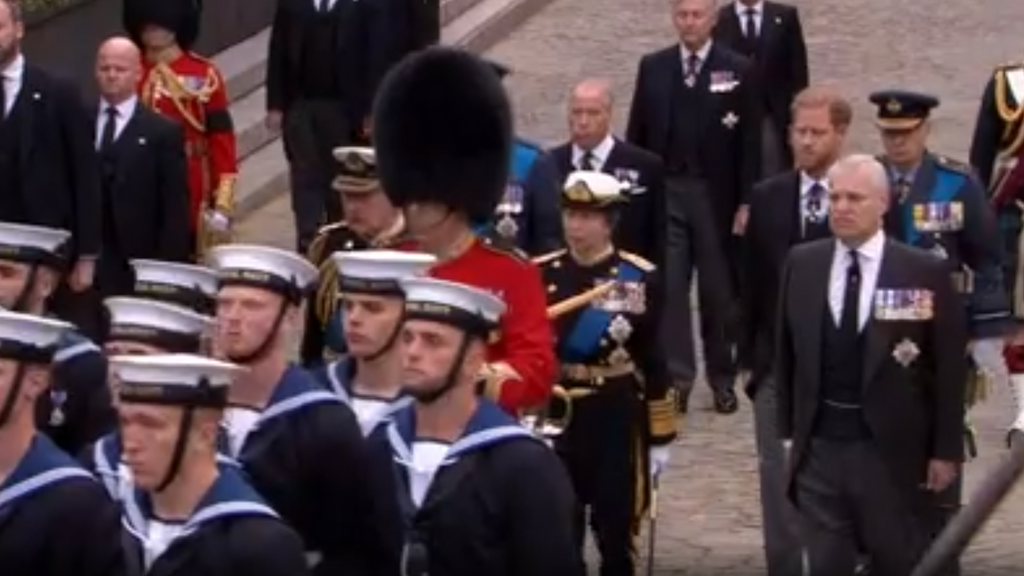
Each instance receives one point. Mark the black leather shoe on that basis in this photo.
(726, 401)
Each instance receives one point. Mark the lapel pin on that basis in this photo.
(142, 141)
(905, 352)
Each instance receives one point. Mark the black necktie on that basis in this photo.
(587, 161)
(750, 24)
(894, 218)
(692, 69)
(109, 128)
(325, 5)
(849, 320)
(815, 220)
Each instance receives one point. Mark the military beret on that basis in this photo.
(902, 110)
(442, 129)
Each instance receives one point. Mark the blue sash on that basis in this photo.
(590, 327)
(947, 184)
(523, 158)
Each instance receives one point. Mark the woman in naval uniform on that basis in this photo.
(473, 492)
(76, 409)
(140, 327)
(185, 514)
(300, 445)
(369, 378)
(55, 519)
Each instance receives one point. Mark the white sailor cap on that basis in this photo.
(378, 271)
(174, 282)
(173, 379)
(472, 309)
(32, 244)
(591, 189)
(165, 326)
(273, 269)
(27, 338)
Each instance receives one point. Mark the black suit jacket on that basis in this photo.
(774, 226)
(149, 192)
(643, 223)
(914, 410)
(371, 36)
(59, 172)
(730, 152)
(779, 55)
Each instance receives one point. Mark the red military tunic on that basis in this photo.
(191, 90)
(522, 366)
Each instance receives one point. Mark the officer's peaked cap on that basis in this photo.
(902, 109)
(442, 129)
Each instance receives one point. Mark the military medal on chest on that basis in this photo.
(58, 398)
(619, 330)
(511, 206)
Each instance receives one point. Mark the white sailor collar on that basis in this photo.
(229, 495)
(340, 376)
(42, 465)
(297, 389)
(489, 425)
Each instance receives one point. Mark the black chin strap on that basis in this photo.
(451, 379)
(12, 395)
(21, 302)
(262, 350)
(388, 344)
(179, 448)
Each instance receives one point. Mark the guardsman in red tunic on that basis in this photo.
(442, 150)
(187, 87)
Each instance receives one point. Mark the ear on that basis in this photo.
(46, 282)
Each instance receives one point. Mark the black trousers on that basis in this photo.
(602, 454)
(696, 242)
(849, 504)
(312, 130)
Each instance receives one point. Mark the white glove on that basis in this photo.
(659, 457)
(988, 355)
(1017, 388)
(217, 221)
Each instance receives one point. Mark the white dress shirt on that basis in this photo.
(598, 156)
(869, 256)
(11, 78)
(702, 56)
(741, 13)
(330, 4)
(125, 111)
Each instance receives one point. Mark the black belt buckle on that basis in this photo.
(415, 559)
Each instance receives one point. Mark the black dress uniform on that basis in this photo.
(76, 410)
(231, 530)
(495, 501)
(46, 488)
(616, 388)
(304, 451)
(322, 336)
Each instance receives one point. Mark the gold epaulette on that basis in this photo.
(327, 293)
(315, 253)
(639, 262)
(1009, 66)
(545, 258)
(508, 250)
(954, 165)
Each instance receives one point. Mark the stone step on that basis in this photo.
(474, 24)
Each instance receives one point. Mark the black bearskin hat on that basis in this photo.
(179, 16)
(442, 129)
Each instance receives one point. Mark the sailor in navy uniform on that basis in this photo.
(139, 327)
(527, 216)
(368, 379)
(613, 417)
(185, 515)
(474, 492)
(55, 519)
(301, 446)
(76, 410)
(188, 285)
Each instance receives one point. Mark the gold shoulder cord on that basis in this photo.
(327, 293)
(1011, 116)
(180, 93)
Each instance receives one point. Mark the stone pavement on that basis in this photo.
(710, 510)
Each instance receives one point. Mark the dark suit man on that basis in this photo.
(143, 173)
(771, 35)
(326, 58)
(870, 373)
(49, 167)
(641, 225)
(696, 106)
(785, 210)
